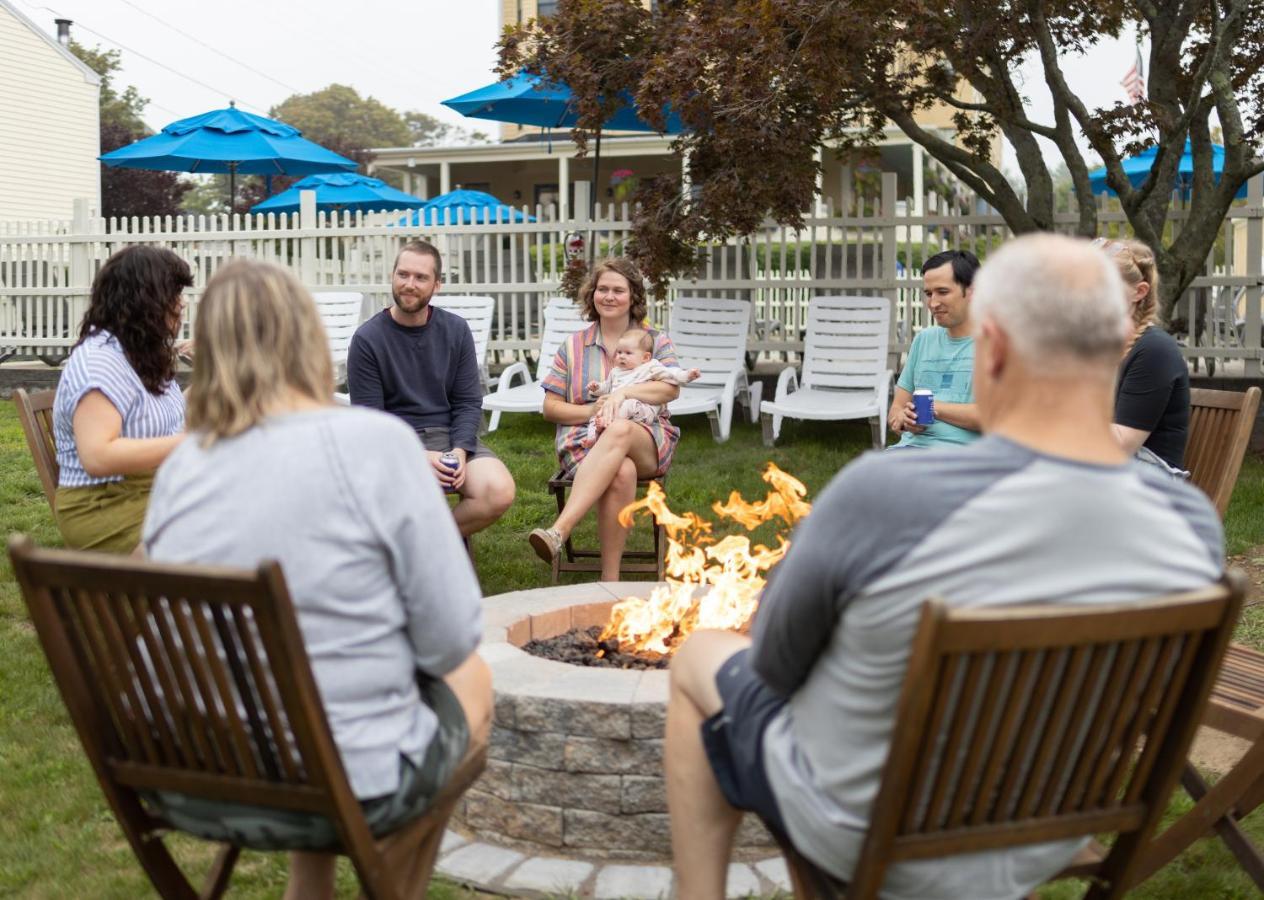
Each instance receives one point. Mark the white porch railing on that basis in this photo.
(862, 245)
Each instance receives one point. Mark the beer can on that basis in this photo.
(449, 460)
(924, 406)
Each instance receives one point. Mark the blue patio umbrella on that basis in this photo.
(341, 190)
(1137, 168)
(461, 207)
(531, 100)
(229, 141)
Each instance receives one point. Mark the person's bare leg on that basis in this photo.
(311, 876)
(471, 681)
(621, 439)
(488, 491)
(610, 534)
(702, 821)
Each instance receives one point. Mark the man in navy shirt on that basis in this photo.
(418, 362)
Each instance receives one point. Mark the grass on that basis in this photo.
(58, 839)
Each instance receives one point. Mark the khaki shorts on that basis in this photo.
(105, 517)
(264, 828)
(439, 438)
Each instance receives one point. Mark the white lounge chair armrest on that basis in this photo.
(732, 380)
(518, 369)
(884, 390)
(787, 384)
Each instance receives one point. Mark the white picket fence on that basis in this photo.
(860, 245)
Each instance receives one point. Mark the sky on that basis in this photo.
(189, 57)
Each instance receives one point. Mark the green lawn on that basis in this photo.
(57, 838)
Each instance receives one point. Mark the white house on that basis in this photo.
(49, 124)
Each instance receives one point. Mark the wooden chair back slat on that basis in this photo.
(1115, 671)
(1220, 425)
(1008, 719)
(181, 687)
(991, 708)
(1031, 724)
(35, 412)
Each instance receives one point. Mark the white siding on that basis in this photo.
(49, 127)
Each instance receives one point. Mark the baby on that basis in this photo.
(634, 363)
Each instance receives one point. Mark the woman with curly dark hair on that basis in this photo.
(118, 410)
(605, 471)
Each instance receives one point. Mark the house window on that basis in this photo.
(546, 7)
(546, 194)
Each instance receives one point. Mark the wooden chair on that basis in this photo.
(35, 412)
(1220, 425)
(194, 680)
(635, 562)
(1022, 725)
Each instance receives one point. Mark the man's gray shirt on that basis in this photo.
(990, 524)
(344, 500)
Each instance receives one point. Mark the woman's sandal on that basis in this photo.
(547, 543)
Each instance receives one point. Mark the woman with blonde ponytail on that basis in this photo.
(1152, 396)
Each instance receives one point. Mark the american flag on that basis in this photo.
(1134, 81)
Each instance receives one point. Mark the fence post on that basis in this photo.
(307, 245)
(81, 253)
(889, 244)
(1254, 252)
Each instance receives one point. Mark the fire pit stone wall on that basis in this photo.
(575, 763)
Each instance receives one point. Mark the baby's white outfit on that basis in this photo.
(636, 410)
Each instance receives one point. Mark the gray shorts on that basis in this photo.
(439, 438)
(265, 828)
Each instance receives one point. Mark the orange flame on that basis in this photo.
(729, 572)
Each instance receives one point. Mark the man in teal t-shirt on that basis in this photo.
(941, 358)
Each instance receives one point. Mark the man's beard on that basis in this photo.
(412, 305)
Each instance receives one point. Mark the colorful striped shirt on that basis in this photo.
(100, 364)
(582, 358)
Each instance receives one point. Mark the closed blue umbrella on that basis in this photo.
(341, 190)
(531, 100)
(229, 141)
(1138, 167)
(462, 207)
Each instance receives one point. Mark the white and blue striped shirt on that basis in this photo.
(99, 364)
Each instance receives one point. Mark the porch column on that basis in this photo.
(408, 182)
(818, 199)
(919, 190)
(445, 177)
(563, 186)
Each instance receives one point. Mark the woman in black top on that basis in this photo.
(1152, 397)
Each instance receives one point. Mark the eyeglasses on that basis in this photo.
(1112, 247)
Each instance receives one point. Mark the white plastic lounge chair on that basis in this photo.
(340, 313)
(845, 374)
(561, 320)
(710, 335)
(477, 311)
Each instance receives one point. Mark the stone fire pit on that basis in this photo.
(573, 799)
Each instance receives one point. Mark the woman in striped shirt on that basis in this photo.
(118, 410)
(605, 472)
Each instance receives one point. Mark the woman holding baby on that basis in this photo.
(605, 469)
